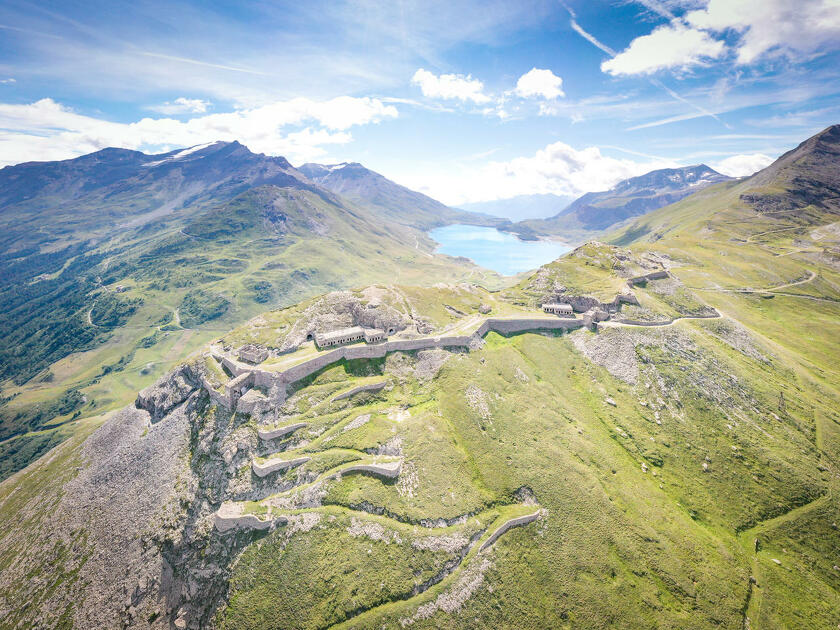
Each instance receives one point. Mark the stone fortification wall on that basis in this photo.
(656, 275)
(235, 368)
(224, 522)
(372, 387)
(389, 470)
(621, 298)
(514, 522)
(277, 381)
(270, 434)
(642, 322)
(215, 396)
(272, 465)
(511, 326)
(636, 322)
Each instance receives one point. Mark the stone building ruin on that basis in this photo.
(253, 354)
(558, 309)
(349, 335)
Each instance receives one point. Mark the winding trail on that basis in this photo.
(787, 229)
(775, 289)
(811, 276)
(417, 247)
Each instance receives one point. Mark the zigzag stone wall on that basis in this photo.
(514, 522)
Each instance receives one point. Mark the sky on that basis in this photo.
(465, 101)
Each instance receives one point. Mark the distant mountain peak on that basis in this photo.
(629, 198)
(362, 185)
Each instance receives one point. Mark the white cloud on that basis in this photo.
(182, 105)
(297, 129)
(450, 86)
(9, 80)
(669, 46)
(557, 168)
(762, 27)
(772, 25)
(741, 165)
(539, 83)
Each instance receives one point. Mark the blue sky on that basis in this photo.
(466, 101)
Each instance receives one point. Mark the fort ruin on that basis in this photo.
(349, 335)
(556, 308)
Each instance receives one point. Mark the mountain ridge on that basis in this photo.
(598, 211)
(397, 202)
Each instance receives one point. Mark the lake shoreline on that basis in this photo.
(501, 251)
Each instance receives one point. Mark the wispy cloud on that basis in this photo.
(182, 105)
(206, 64)
(597, 43)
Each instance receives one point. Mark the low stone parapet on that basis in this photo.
(514, 522)
(656, 275)
(273, 465)
(270, 434)
(389, 470)
(229, 516)
(372, 387)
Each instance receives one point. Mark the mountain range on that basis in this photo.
(598, 211)
(667, 457)
(522, 207)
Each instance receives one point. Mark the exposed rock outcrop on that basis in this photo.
(168, 392)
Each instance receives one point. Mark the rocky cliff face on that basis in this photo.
(806, 176)
(132, 529)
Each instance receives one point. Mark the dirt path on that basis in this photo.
(787, 229)
(417, 247)
(811, 276)
(774, 289)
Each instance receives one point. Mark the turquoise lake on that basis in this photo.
(499, 251)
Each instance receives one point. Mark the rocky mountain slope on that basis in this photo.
(117, 263)
(396, 203)
(598, 211)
